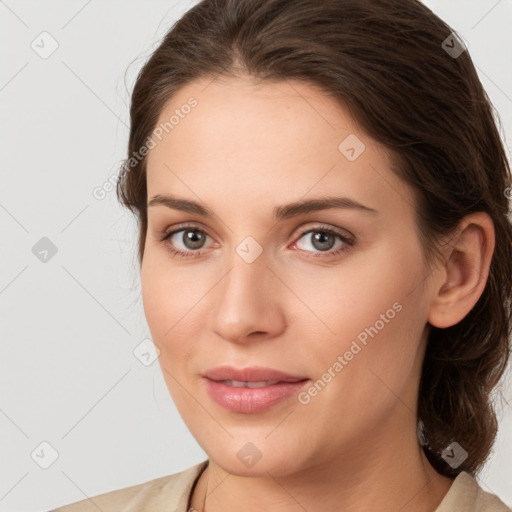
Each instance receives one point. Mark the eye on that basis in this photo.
(191, 237)
(188, 241)
(323, 239)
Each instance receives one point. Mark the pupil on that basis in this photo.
(193, 237)
(321, 237)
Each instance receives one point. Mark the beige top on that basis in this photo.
(171, 493)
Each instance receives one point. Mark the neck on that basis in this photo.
(370, 474)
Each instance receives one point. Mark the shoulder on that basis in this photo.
(466, 495)
(166, 491)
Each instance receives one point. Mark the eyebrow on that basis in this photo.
(282, 212)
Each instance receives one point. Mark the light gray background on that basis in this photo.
(69, 326)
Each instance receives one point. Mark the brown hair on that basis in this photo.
(386, 62)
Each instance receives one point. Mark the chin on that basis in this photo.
(249, 460)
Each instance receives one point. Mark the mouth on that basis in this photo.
(251, 390)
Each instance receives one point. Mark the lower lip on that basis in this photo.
(252, 400)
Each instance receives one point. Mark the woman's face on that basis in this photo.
(264, 284)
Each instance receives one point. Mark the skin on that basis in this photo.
(243, 150)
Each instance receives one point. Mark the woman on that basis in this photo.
(325, 252)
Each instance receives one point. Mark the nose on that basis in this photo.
(247, 303)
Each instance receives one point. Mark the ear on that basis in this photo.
(464, 274)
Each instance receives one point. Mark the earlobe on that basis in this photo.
(463, 277)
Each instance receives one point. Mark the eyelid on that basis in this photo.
(303, 230)
(167, 232)
(184, 225)
(319, 226)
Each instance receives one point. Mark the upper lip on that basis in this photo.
(250, 374)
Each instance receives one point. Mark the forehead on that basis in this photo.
(231, 114)
(265, 140)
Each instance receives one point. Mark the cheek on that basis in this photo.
(168, 293)
(176, 300)
(166, 308)
(378, 314)
(378, 282)
(379, 341)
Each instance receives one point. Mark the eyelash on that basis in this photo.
(347, 242)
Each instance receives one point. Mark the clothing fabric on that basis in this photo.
(171, 493)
